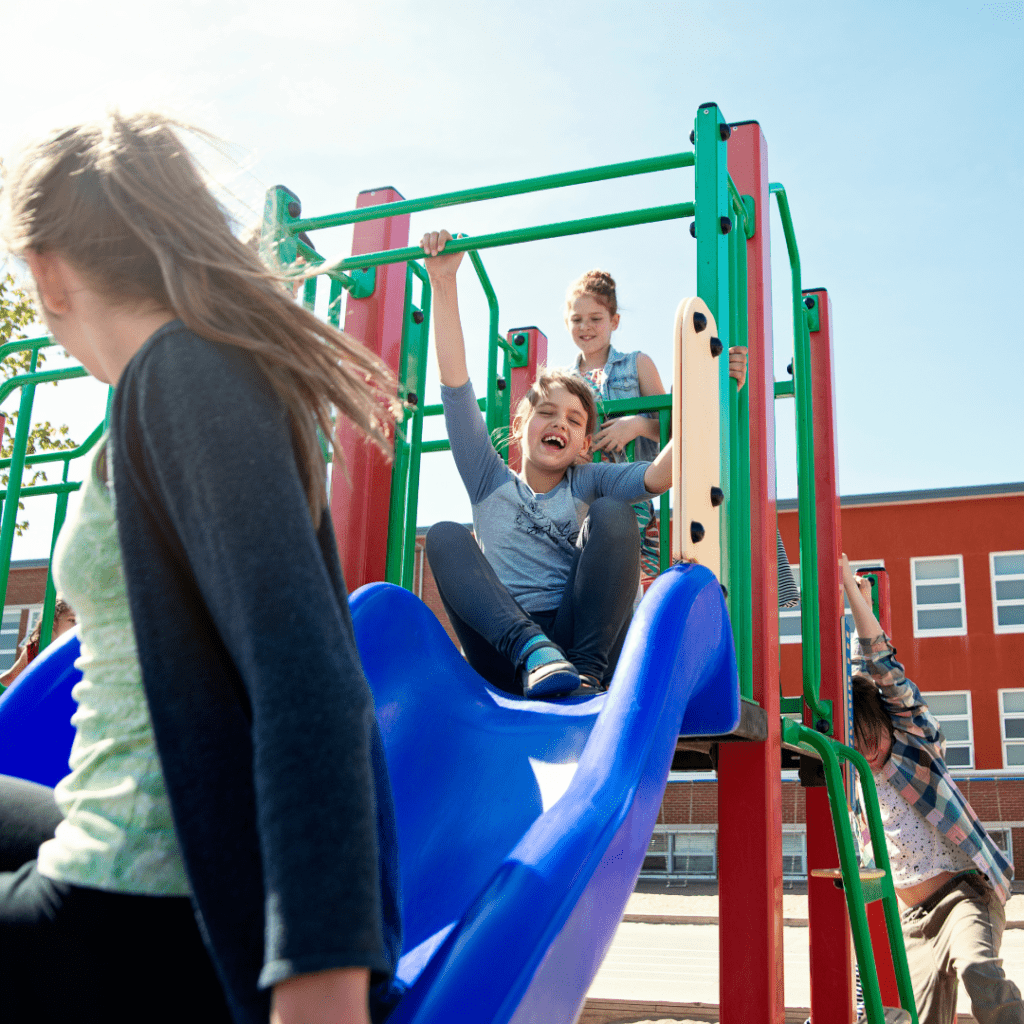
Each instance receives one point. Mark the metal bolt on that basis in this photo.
(412, 398)
(700, 321)
(693, 229)
(501, 384)
(520, 339)
(693, 137)
(809, 302)
(696, 531)
(822, 726)
(294, 208)
(417, 316)
(789, 368)
(726, 225)
(717, 496)
(716, 347)
(725, 131)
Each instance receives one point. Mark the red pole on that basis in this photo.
(361, 479)
(832, 988)
(749, 780)
(522, 378)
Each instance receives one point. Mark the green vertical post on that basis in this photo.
(712, 223)
(739, 484)
(9, 519)
(807, 499)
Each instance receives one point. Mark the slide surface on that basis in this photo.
(522, 824)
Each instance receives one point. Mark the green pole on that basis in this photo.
(9, 519)
(806, 500)
(712, 224)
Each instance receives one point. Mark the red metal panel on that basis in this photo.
(361, 481)
(749, 784)
(522, 377)
(832, 992)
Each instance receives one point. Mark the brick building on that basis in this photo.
(955, 559)
(26, 588)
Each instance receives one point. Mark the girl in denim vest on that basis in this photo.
(591, 315)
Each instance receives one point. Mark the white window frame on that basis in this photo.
(970, 724)
(800, 832)
(670, 831)
(34, 611)
(961, 604)
(1013, 716)
(1017, 627)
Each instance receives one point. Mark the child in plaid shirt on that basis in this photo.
(950, 876)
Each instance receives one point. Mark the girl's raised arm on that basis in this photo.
(448, 337)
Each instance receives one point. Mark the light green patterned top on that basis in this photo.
(117, 833)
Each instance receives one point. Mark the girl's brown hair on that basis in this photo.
(548, 378)
(598, 283)
(124, 203)
(870, 719)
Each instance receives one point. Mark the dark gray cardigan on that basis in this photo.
(263, 719)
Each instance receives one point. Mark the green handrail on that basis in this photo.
(810, 625)
(495, 239)
(512, 188)
(830, 751)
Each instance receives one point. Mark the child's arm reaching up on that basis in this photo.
(444, 299)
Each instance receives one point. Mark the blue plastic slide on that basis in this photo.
(522, 824)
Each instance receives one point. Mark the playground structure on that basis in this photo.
(676, 672)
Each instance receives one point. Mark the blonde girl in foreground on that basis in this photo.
(226, 843)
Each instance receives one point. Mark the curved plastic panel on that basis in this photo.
(523, 824)
(35, 715)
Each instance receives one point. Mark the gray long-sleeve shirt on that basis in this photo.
(528, 538)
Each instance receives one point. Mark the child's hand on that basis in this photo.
(615, 434)
(738, 364)
(439, 268)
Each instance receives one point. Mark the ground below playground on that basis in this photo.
(663, 964)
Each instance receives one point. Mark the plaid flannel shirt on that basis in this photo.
(917, 769)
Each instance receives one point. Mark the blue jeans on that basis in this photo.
(590, 622)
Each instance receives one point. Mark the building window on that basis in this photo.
(681, 853)
(1011, 722)
(953, 710)
(794, 854)
(937, 590)
(1007, 591)
(1003, 838)
(9, 637)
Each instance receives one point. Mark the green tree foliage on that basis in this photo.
(17, 312)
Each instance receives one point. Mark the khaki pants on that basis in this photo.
(958, 930)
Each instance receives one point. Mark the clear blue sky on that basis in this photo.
(896, 129)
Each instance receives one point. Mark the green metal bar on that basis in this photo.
(42, 377)
(830, 751)
(807, 504)
(496, 239)
(784, 389)
(400, 465)
(24, 344)
(9, 519)
(741, 208)
(606, 172)
(435, 446)
(493, 406)
(739, 536)
(334, 304)
(44, 490)
(711, 193)
(67, 455)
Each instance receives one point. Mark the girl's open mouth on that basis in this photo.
(553, 441)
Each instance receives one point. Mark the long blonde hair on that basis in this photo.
(122, 200)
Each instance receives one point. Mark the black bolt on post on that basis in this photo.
(501, 383)
(809, 302)
(823, 726)
(725, 131)
(417, 316)
(716, 347)
(693, 229)
(726, 224)
(789, 368)
(412, 398)
(700, 321)
(693, 137)
(696, 531)
(717, 496)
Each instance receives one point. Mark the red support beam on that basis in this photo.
(361, 479)
(522, 378)
(832, 988)
(749, 781)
